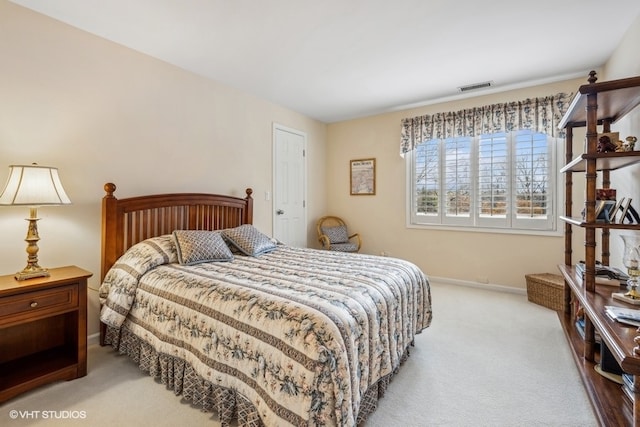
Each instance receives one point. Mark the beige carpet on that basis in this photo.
(489, 359)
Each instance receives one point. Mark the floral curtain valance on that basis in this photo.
(538, 114)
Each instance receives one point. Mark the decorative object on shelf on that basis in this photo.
(623, 206)
(618, 207)
(629, 143)
(631, 260)
(607, 142)
(363, 177)
(605, 194)
(33, 186)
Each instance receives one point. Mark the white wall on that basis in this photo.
(103, 113)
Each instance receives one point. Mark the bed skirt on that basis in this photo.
(180, 376)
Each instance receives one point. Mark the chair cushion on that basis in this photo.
(337, 234)
(344, 247)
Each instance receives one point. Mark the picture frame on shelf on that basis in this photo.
(605, 210)
(605, 205)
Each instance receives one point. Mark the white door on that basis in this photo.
(289, 183)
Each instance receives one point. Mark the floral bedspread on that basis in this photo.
(301, 334)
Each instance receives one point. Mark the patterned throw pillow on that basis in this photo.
(337, 234)
(196, 246)
(249, 240)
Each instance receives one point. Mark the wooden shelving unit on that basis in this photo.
(599, 104)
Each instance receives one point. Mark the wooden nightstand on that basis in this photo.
(43, 330)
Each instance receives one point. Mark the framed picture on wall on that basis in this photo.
(363, 177)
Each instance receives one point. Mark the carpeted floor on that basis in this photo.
(489, 359)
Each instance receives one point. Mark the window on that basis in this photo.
(500, 181)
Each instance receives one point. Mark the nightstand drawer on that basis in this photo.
(36, 303)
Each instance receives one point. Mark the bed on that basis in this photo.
(244, 326)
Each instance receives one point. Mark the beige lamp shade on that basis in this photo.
(33, 185)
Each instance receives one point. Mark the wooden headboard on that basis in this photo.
(126, 222)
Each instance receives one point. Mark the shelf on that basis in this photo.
(615, 99)
(21, 375)
(610, 401)
(604, 161)
(60, 362)
(607, 398)
(600, 225)
(618, 337)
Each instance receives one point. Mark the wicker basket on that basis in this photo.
(546, 289)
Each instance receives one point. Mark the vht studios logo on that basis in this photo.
(69, 415)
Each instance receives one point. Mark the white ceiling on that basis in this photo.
(340, 59)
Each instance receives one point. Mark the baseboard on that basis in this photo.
(486, 286)
(93, 339)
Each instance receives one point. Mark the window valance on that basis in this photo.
(537, 114)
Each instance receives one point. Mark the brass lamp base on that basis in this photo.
(31, 273)
(32, 270)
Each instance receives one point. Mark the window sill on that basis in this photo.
(466, 229)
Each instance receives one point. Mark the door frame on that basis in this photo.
(279, 127)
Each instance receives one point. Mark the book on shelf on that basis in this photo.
(629, 383)
(608, 366)
(628, 316)
(604, 271)
(580, 329)
(604, 280)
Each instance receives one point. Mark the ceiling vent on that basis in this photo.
(475, 86)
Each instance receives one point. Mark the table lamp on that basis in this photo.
(33, 186)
